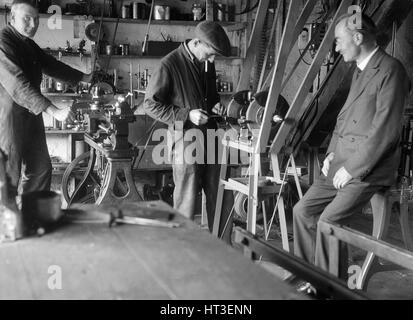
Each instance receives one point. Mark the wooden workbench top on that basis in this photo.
(133, 262)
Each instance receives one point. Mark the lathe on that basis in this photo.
(108, 176)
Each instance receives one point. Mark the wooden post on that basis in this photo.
(209, 10)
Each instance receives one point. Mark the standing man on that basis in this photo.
(22, 134)
(364, 152)
(182, 93)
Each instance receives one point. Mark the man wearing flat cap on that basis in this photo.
(22, 64)
(182, 94)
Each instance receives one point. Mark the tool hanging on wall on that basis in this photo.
(145, 42)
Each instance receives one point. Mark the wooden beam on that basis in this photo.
(294, 23)
(322, 280)
(291, 117)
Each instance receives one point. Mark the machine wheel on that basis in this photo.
(73, 176)
(241, 207)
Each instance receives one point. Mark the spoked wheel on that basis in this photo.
(73, 177)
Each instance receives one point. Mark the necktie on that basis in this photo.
(358, 72)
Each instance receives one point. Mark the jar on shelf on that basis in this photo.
(197, 11)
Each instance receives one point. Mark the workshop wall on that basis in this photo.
(72, 31)
(404, 49)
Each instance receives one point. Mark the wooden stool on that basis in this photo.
(381, 204)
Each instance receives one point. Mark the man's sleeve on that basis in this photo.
(158, 94)
(15, 82)
(384, 131)
(59, 70)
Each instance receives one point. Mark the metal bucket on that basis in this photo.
(161, 12)
(41, 206)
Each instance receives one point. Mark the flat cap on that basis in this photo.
(32, 3)
(214, 35)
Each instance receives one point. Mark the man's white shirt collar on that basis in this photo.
(362, 65)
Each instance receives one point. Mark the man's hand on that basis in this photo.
(326, 163)
(61, 114)
(219, 109)
(87, 77)
(198, 116)
(341, 178)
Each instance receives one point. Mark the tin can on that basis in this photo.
(197, 11)
(167, 12)
(125, 12)
(59, 86)
(135, 11)
(109, 49)
(50, 84)
(145, 78)
(221, 12)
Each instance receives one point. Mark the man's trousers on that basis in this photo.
(323, 202)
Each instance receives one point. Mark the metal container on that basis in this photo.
(161, 12)
(42, 206)
(109, 49)
(60, 86)
(124, 49)
(135, 10)
(221, 12)
(197, 11)
(125, 12)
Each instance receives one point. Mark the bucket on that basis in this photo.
(41, 206)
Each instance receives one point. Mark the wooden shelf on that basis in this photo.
(61, 94)
(233, 24)
(136, 56)
(57, 131)
(65, 54)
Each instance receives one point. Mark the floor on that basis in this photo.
(389, 285)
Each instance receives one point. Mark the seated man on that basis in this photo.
(364, 151)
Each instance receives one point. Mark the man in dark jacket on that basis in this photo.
(22, 64)
(182, 93)
(364, 152)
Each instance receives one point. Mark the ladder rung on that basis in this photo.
(241, 185)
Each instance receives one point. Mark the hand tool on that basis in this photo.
(117, 217)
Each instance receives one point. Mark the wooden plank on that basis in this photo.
(94, 264)
(14, 280)
(134, 262)
(334, 255)
(277, 76)
(327, 283)
(296, 106)
(196, 266)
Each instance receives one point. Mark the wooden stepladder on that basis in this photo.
(256, 186)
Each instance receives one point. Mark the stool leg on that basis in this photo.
(405, 226)
(381, 207)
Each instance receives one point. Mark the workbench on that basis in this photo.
(133, 262)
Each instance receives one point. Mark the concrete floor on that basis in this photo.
(389, 285)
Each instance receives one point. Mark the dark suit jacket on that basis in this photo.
(366, 139)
